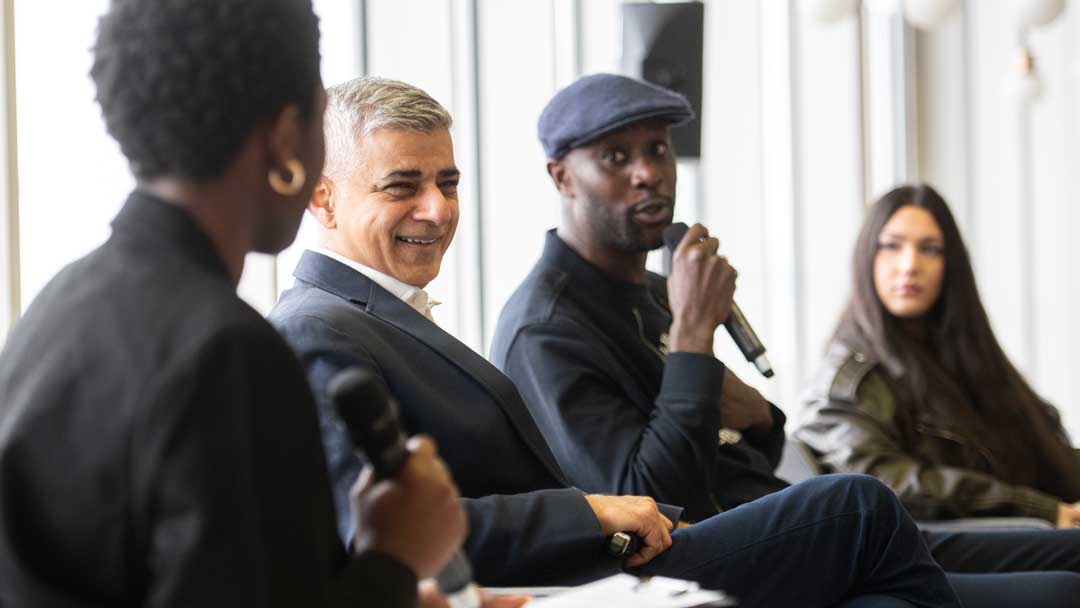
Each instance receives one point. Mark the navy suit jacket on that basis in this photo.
(526, 525)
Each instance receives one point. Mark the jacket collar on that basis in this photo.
(334, 277)
(164, 227)
(604, 286)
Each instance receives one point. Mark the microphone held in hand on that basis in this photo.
(736, 324)
(371, 420)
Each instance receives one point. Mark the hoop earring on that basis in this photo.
(296, 180)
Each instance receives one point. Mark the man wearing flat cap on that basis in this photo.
(387, 207)
(601, 348)
(616, 363)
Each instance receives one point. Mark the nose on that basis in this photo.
(435, 207)
(645, 173)
(909, 260)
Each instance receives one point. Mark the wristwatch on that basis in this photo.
(623, 544)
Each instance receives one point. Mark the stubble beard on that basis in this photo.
(619, 231)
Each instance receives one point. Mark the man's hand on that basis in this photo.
(431, 597)
(637, 514)
(701, 289)
(742, 406)
(1068, 516)
(416, 518)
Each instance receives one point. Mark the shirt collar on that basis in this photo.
(562, 256)
(412, 295)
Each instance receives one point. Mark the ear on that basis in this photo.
(322, 204)
(284, 138)
(561, 177)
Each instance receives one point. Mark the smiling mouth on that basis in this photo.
(415, 241)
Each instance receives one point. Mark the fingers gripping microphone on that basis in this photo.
(736, 324)
(371, 419)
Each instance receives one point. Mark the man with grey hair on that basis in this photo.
(387, 210)
(409, 241)
(359, 300)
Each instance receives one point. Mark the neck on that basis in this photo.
(627, 267)
(918, 329)
(328, 240)
(220, 209)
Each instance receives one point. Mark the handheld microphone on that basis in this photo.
(736, 324)
(371, 420)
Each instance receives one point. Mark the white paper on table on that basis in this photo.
(633, 592)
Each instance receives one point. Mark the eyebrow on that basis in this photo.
(897, 235)
(417, 174)
(409, 173)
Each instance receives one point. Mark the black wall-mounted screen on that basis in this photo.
(663, 44)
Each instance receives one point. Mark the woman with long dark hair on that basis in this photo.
(917, 391)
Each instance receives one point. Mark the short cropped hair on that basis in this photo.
(182, 83)
(358, 107)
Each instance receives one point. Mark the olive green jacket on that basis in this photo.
(850, 422)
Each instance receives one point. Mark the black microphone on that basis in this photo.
(371, 419)
(736, 324)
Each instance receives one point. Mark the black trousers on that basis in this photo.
(1011, 568)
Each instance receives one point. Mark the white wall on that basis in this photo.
(1012, 170)
(10, 284)
(72, 177)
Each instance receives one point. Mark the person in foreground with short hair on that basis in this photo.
(158, 440)
(387, 207)
(599, 347)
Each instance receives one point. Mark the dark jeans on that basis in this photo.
(1019, 589)
(822, 542)
(1006, 551)
(1011, 568)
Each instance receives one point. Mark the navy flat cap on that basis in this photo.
(596, 105)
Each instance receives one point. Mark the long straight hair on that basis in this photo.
(962, 355)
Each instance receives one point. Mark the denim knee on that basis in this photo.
(869, 486)
(856, 485)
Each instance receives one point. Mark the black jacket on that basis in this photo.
(159, 445)
(525, 525)
(622, 415)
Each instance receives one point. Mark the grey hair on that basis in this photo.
(358, 107)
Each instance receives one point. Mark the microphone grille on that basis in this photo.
(370, 418)
(356, 385)
(673, 235)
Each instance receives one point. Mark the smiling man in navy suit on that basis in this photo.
(387, 207)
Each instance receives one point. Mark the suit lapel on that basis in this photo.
(337, 278)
